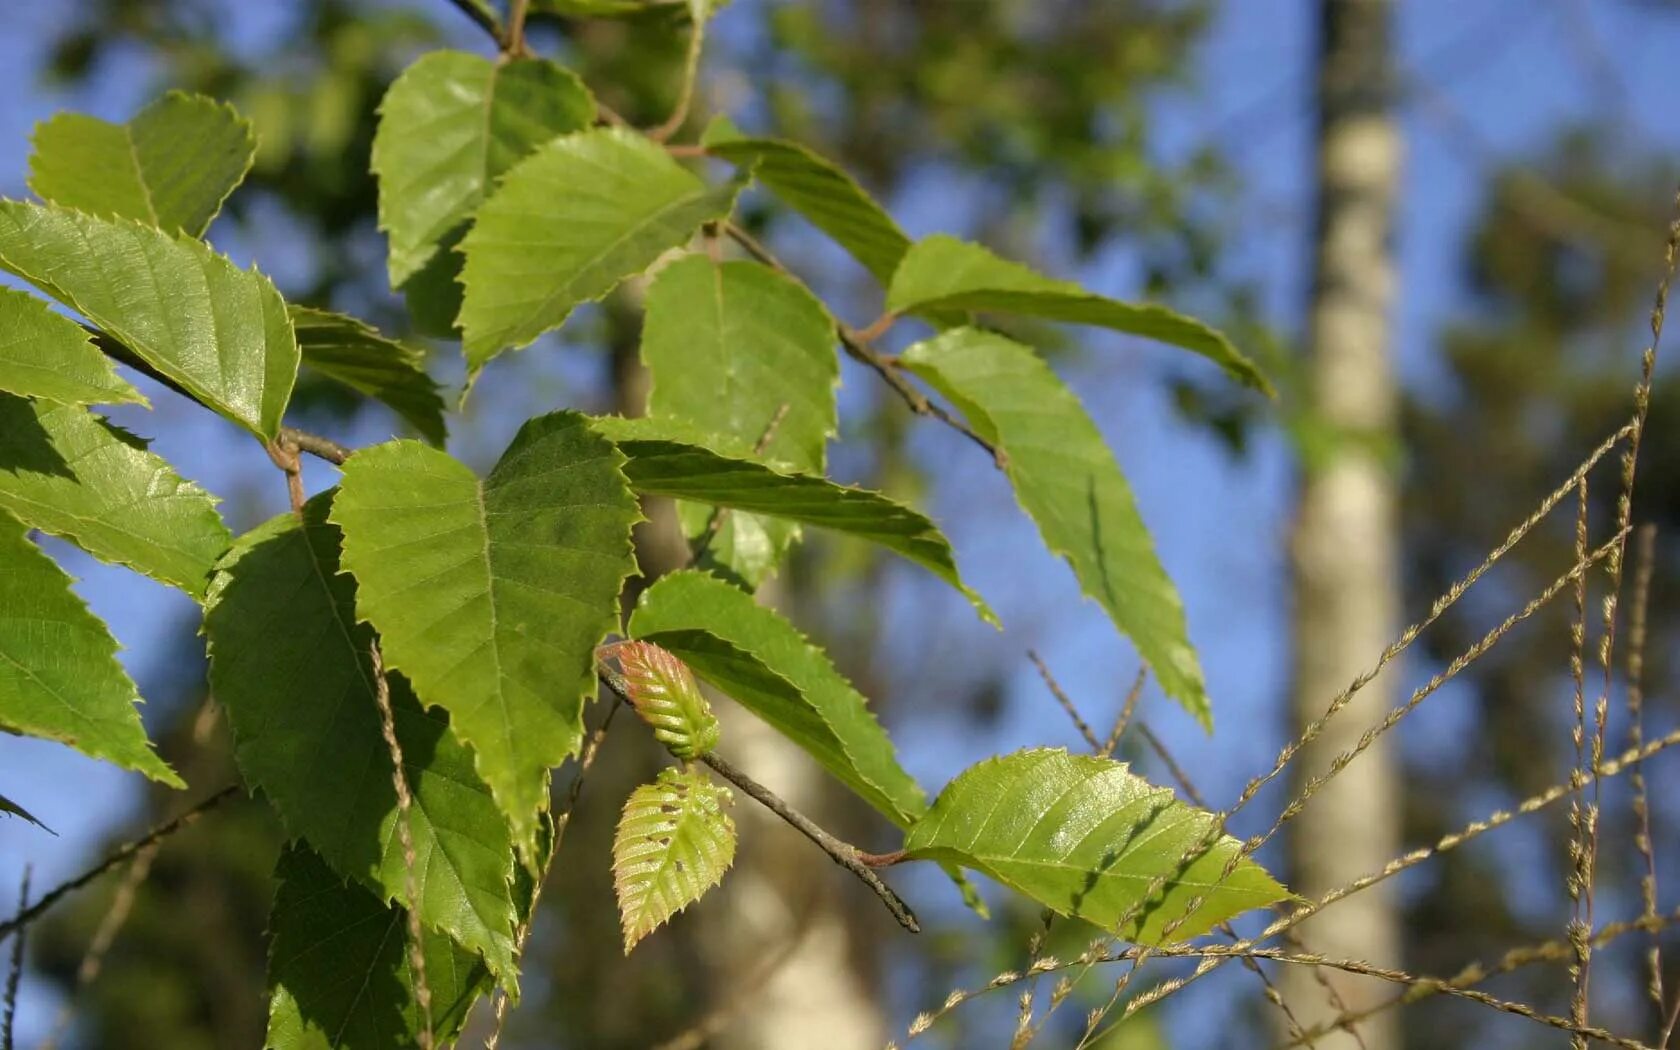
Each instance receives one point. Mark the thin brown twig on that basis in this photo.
(405, 835)
(122, 903)
(1127, 709)
(284, 455)
(1065, 701)
(481, 16)
(14, 975)
(26, 915)
(316, 445)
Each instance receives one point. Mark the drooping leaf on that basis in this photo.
(492, 595)
(1068, 481)
(66, 471)
(765, 347)
(293, 669)
(670, 458)
(815, 187)
(170, 167)
(765, 663)
(219, 331)
(663, 692)
(338, 967)
(50, 357)
(674, 843)
(450, 126)
(59, 676)
(942, 273)
(1087, 838)
(11, 808)
(350, 352)
(566, 225)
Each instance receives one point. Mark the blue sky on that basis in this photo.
(1510, 71)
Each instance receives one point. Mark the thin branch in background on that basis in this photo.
(482, 15)
(405, 835)
(111, 924)
(1066, 701)
(15, 974)
(26, 915)
(1127, 709)
(1638, 615)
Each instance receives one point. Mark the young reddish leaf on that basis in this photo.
(666, 696)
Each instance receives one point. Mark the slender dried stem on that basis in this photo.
(405, 836)
(122, 903)
(1127, 709)
(14, 975)
(1638, 616)
(481, 16)
(513, 41)
(1578, 878)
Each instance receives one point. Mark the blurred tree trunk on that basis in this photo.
(1345, 543)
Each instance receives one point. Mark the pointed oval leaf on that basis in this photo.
(667, 457)
(292, 668)
(45, 355)
(450, 126)
(338, 967)
(942, 273)
(1086, 838)
(492, 595)
(66, 471)
(769, 667)
(815, 187)
(170, 167)
(674, 843)
(355, 354)
(1068, 481)
(59, 676)
(767, 348)
(219, 331)
(566, 225)
(663, 692)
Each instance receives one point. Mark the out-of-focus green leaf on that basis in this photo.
(45, 355)
(674, 843)
(59, 676)
(219, 331)
(170, 167)
(293, 669)
(344, 349)
(492, 595)
(942, 273)
(1067, 479)
(66, 471)
(1086, 838)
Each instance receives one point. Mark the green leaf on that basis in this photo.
(492, 595)
(741, 351)
(11, 808)
(566, 225)
(449, 127)
(338, 967)
(218, 331)
(674, 843)
(50, 357)
(350, 352)
(670, 458)
(942, 273)
(170, 167)
(66, 471)
(817, 189)
(59, 676)
(1086, 838)
(293, 669)
(665, 695)
(1068, 481)
(765, 663)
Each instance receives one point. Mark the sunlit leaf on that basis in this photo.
(674, 843)
(45, 355)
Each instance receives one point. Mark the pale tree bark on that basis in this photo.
(1344, 547)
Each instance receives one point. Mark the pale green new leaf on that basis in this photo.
(769, 667)
(742, 352)
(66, 471)
(59, 676)
(674, 843)
(942, 273)
(293, 669)
(815, 187)
(171, 166)
(448, 128)
(492, 595)
(670, 458)
(45, 355)
(218, 331)
(1087, 838)
(566, 225)
(664, 694)
(338, 967)
(350, 352)
(1068, 481)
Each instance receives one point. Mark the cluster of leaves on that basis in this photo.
(420, 608)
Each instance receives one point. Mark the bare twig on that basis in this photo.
(15, 974)
(405, 835)
(316, 445)
(513, 41)
(1066, 701)
(1127, 709)
(1578, 878)
(109, 926)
